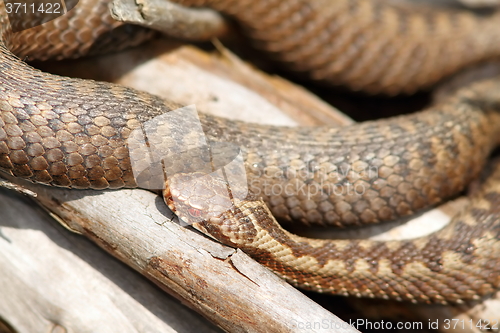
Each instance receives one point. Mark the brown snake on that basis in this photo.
(72, 133)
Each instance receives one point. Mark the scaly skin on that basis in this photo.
(458, 263)
(73, 133)
(365, 45)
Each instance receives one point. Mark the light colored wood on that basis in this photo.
(217, 83)
(221, 283)
(167, 17)
(51, 278)
(147, 241)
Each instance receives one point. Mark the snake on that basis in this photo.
(74, 133)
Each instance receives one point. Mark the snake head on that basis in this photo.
(212, 205)
(197, 196)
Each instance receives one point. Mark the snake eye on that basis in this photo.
(194, 212)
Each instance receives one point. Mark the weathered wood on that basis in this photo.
(217, 83)
(214, 84)
(51, 278)
(170, 18)
(221, 283)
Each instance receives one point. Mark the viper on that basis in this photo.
(82, 134)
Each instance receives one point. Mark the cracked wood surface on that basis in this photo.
(53, 280)
(221, 283)
(155, 266)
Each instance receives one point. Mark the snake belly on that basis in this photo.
(73, 133)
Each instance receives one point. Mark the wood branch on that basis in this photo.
(170, 18)
(227, 87)
(217, 83)
(52, 279)
(221, 283)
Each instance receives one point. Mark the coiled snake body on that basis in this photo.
(73, 133)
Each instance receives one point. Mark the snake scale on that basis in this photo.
(72, 133)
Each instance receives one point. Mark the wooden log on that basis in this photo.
(215, 84)
(55, 281)
(221, 283)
